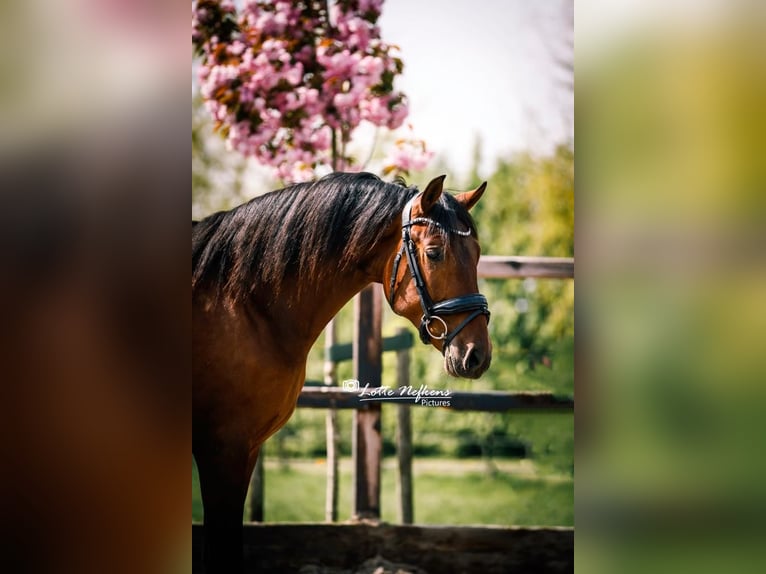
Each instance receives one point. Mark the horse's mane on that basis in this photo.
(306, 230)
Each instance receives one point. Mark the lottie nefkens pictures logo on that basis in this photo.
(421, 395)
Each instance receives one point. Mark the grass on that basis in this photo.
(446, 492)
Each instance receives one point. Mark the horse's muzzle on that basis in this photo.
(470, 362)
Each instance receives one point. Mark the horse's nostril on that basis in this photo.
(472, 360)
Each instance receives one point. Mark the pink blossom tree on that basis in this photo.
(289, 82)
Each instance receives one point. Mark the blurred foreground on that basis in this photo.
(94, 287)
(671, 258)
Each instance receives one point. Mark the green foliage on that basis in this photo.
(529, 206)
(529, 210)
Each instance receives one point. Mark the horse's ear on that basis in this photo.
(471, 198)
(432, 194)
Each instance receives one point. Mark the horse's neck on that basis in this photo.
(314, 305)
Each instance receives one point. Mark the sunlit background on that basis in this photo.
(490, 88)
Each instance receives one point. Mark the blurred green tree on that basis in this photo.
(529, 210)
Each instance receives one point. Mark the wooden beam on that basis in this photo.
(443, 549)
(512, 267)
(404, 441)
(501, 401)
(487, 401)
(367, 443)
(332, 432)
(257, 490)
(344, 351)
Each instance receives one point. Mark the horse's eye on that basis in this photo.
(435, 254)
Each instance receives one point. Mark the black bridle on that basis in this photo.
(474, 303)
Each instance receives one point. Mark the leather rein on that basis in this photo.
(473, 303)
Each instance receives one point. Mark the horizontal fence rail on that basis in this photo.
(315, 397)
(510, 267)
(276, 548)
(344, 351)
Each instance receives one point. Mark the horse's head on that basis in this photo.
(431, 279)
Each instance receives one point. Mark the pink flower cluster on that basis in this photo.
(289, 82)
(407, 155)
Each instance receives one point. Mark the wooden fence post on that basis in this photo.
(404, 439)
(331, 426)
(256, 490)
(366, 437)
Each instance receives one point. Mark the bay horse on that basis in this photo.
(268, 276)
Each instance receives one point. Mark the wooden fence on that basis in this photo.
(366, 352)
(341, 548)
(491, 549)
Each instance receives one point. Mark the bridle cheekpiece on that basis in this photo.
(473, 303)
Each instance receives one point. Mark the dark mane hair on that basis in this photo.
(306, 230)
